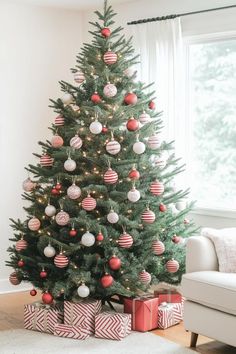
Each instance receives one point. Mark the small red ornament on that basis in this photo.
(106, 32)
(99, 237)
(176, 239)
(106, 280)
(57, 141)
(114, 263)
(58, 186)
(54, 191)
(21, 263)
(132, 125)
(43, 274)
(33, 292)
(104, 129)
(172, 266)
(95, 98)
(130, 98)
(72, 232)
(152, 105)
(134, 174)
(162, 207)
(47, 298)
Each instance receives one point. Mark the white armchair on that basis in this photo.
(210, 306)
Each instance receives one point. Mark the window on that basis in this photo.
(211, 100)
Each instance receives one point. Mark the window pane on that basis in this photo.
(213, 116)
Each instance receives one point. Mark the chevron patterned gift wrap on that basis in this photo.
(68, 331)
(169, 314)
(112, 325)
(42, 318)
(82, 313)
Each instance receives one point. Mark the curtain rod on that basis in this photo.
(168, 17)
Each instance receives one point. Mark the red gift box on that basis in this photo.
(112, 325)
(67, 331)
(42, 318)
(165, 295)
(82, 313)
(144, 312)
(169, 314)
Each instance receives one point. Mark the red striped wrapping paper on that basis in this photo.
(169, 314)
(82, 313)
(67, 331)
(42, 318)
(112, 325)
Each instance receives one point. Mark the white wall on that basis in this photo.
(37, 47)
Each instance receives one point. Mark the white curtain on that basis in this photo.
(161, 59)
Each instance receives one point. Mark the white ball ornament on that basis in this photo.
(83, 291)
(74, 192)
(133, 195)
(88, 239)
(76, 142)
(181, 205)
(95, 127)
(50, 210)
(69, 165)
(49, 251)
(67, 98)
(113, 147)
(62, 218)
(28, 185)
(34, 224)
(139, 147)
(110, 90)
(129, 71)
(113, 217)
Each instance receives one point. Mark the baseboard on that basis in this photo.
(6, 287)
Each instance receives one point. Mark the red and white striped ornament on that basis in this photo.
(46, 160)
(158, 247)
(28, 185)
(125, 240)
(148, 216)
(89, 203)
(110, 57)
(113, 147)
(59, 121)
(172, 266)
(74, 192)
(154, 142)
(79, 77)
(144, 118)
(21, 245)
(76, 142)
(157, 188)
(145, 277)
(160, 162)
(61, 261)
(14, 279)
(62, 218)
(57, 141)
(110, 176)
(34, 224)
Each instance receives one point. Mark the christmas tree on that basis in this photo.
(102, 217)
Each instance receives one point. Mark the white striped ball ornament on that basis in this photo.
(154, 142)
(110, 90)
(95, 127)
(148, 216)
(69, 165)
(61, 261)
(112, 217)
(110, 57)
(46, 160)
(158, 247)
(172, 266)
(13, 279)
(79, 77)
(144, 118)
(57, 141)
(34, 224)
(157, 188)
(110, 176)
(50, 210)
(125, 240)
(76, 142)
(28, 185)
(113, 147)
(89, 203)
(21, 245)
(59, 121)
(74, 192)
(145, 277)
(62, 218)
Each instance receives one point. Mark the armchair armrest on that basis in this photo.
(200, 255)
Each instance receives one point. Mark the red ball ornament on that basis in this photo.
(110, 57)
(58, 186)
(54, 191)
(104, 129)
(21, 263)
(33, 292)
(47, 298)
(157, 188)
(162, 207)
(152, 105)
(106, 280)
(89, 203)
(134, 174)
(145, 277)
(72, 232)
(43, 274)
(46, 160)
(114, 263)
(172, 266)
(57, 141)
(132, 125)
(148, 216)
(99, 237)
(13, 278)
(21, 245)
(95, 98)
(106, 32)
(110, 176)
(158, 247)
(130, 98)
(61, 261)
(176, 239)
(125, 240)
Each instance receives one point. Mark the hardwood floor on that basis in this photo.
(11, 317)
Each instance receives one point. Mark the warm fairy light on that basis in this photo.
(125, 149)
(75, 267)
(128, 288)
(40, 200)
(126, 279)
(81, 129)
(86, 173)
(43, 217)
(101, 197)
(99, 151)
(121, 138)
(81, 229)
(144, 168)
(98, 219)
(49, 233)
(129, 211)
(97, 172)
(110, 239)
(88, 138)
(39, 231)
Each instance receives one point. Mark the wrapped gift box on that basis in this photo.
(82, 313)
(169, 314)
(144, 311)
(112, 325)
(68, 331)
(42, 318)
(165, 295)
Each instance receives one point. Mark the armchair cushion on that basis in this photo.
(212, 289)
